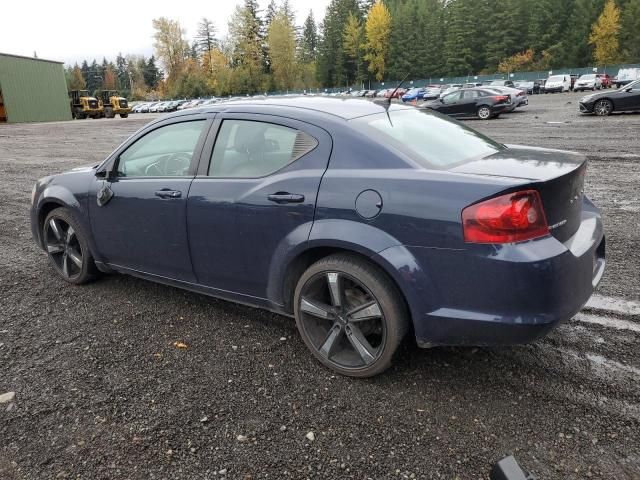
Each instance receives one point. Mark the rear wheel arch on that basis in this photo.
(298, 265)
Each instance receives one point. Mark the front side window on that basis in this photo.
(451, 98)
(165, 152)
(251, 149)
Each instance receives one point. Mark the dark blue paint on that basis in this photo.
(224, 237)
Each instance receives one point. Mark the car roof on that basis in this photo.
(344, 107)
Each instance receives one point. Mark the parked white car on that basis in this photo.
(626, 76)
(589, 81)
(558, 83)
(517, 97)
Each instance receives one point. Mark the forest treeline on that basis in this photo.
(364, 40)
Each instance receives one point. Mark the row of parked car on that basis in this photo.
(172, 105)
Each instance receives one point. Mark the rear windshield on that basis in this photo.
(428, 138)
(588, 77)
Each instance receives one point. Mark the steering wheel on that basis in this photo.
(170, 165)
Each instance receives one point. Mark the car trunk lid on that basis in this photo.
(557, 175)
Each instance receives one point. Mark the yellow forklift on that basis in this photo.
(114, 104)
(83, 105)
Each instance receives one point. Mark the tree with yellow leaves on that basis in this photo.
(353, 44)
(604, 34)
(378, 29)
(518, 62)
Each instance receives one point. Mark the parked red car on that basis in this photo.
(398, 94)
(606, 79)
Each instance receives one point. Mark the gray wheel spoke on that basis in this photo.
(54, 248)
(75, 256)
(333, 279)
(54, 228)
(70, 234)
(332, 339)
(65, 265)
(365, 312)
(314, 308)
(361, 344)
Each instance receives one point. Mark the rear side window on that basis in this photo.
(250, 149)
(429, 139)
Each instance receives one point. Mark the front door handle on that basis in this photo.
(286, 197)
(169, 193)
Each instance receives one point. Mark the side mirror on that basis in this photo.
(629, 89)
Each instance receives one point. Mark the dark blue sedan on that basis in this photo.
(364, 223)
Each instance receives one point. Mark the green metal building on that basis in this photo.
(32, 90)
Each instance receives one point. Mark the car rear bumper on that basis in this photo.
(507, 294)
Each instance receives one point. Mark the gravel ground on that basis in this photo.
(102, 391)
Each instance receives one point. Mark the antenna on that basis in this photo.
(386, 103)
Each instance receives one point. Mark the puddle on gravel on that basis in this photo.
(612, 304)
(608, 322)
(607, 364)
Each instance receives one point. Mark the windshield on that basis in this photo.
(588, 77)
(556, 78)
(634, 85)
(428, 138)
(497, 82)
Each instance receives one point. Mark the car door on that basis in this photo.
(449, 103)
(467, 103)
(254, 196)
(138, 211)
(629, 97)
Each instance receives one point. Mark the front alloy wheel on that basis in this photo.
(349, 315)
(484, 113)
(66, 247)
(603, 108)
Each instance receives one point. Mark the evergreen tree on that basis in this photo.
(151, 73)
(575, 49)
(332, 67)
(245, 35)
(122, 73)
(461, 41)
(206, 36)
(86, 71)
(309, 40)
(629, 31)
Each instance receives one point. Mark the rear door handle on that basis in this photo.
(169, 193)
(286, 197)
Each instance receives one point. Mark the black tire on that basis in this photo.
(369, 312)
(68, 252)
(603, 107)
(124, 115)
(484, 112)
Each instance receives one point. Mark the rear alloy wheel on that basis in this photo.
(67, 247)
(484, 113)
(603, 107)
(350, 315)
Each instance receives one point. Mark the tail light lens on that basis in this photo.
(509, 218)
(502, 98)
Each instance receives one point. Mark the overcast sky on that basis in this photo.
(70, 31)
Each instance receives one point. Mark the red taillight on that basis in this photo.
(513, 217)
(502, 98)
